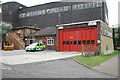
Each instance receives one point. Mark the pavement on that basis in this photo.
(65, 68)
(52, 64)
(22, 57)
(109, 67)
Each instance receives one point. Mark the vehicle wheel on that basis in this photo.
(27, 51)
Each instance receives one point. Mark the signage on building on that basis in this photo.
(92, 23)
(60, 27)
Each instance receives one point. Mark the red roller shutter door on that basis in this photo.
(87, 40)
(60, 40)
(93, 39)
(83, 32)
(65, 40)
(73, 40)
(80, 40)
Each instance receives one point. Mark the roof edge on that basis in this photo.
(76, 23)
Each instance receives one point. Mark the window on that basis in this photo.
(30, 40)
(92, 42)
(50, 41)
(74, 7)
(83, 41)
(106, 47)
(63, 42)
(0, 10)
(57, 9)
(89, 5)
(88, 41)
(70, 42)
(75, 42)
(93, 4)
(35, 13)
(81, 6)
(60, 9)
(30, 13)
(65, 8)
(86, 5)
(39, 12)
(67, 42)
(99, 4)
(22, 15)
(79, 42)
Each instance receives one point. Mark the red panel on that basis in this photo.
(85, 45)
(76, 36)
(65, 38)
(83, 38)
(79, 40)
(60, 40)
(87, 35)
(93, 37)
(73, 40)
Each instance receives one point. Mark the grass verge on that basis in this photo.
(96, 60)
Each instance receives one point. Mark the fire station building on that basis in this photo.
(54, 13)
(64, 26)
(89, 36)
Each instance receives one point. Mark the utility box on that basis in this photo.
(9, 48)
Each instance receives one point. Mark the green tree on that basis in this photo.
(118, 39)
(5, 27)
(116, 36)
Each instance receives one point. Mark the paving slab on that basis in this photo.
(23, 57)
(109, 67)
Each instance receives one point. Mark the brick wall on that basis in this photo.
(106, 41)
(44, 38)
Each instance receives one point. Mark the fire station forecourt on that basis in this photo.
(53, 69)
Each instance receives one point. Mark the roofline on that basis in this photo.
(43, 4)
(27, 7)
(76, 23)
(25, 27)
(13, 2)
(31, 35)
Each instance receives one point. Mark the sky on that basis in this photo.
(111, 4)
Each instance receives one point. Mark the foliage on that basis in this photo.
(5, 27)
(116, 36)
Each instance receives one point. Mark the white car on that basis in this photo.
(35, 47)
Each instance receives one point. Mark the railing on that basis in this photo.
(18, 42)
(19, 39)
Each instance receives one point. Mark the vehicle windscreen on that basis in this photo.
(34, 44)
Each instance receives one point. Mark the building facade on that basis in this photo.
(78, 26)
(46, 36)
(90, 36)
(54, 13)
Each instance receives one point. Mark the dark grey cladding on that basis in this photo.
(10, 12)
(54, 13)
